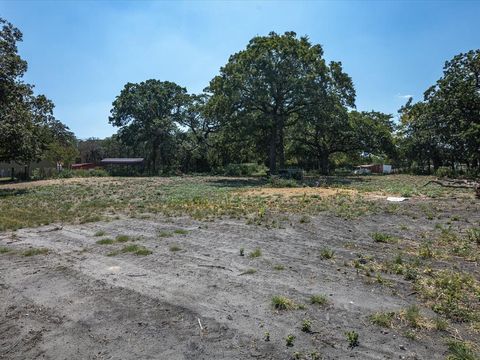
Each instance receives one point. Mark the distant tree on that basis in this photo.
(61, 144)
(353, 133)
(148, 114)
(266, 87)
(195, 141)
(445, 127)
(26, 120)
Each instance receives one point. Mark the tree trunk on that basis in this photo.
(13, 173)
(323, 160)
(155, 146)
(281, 147)
(272, 151)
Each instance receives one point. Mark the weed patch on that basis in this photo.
(35, 251)
(283, 303)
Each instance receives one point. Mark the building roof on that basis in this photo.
(122, 161)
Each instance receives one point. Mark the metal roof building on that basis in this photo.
(122, 161)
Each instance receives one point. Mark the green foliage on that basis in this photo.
(443, 129)
(319, 299)
(175, 248)
(136, 249)
(4, 250)
(352, 338)
(283, 303)
(460, 350)
(289, 340)
(283, 62)
(106, 241)
(147, 114)
(384, 319)
(122, 238)
(255, 253)
(247, 169)
(277, 182)
(180, 232)
(35, 251)
(67, 174)
(306, 326)
(381, 237)
(28, 129)
(327, 253)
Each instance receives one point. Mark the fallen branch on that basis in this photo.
(215, 266)
(458, 184)
(453, 184)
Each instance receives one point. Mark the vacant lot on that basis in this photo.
(224, 268)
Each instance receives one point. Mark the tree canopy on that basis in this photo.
(28, 129)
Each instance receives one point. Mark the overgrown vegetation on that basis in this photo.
(283, 303)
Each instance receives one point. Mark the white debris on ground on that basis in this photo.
(396, 199)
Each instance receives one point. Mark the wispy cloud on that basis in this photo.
(404, 96)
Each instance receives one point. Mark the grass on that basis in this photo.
(4, 250)
(175, 248)
(382, 238)
(106, 241)
(352, 338)
(122, 238)
(100, 233)
(135, 249)
(452, 294)
(289, 340)
(35, 251)
(283, 303)
(383, 319)
(306, 326)
(165, 234)
(180, 232)
(278, 267)
(460, 350)
(255, 253)
(249, 272)
(199, 197)
(327, 253)
(318, 300)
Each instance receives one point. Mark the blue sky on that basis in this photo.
(80, 54)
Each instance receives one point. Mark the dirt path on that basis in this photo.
(77, 302)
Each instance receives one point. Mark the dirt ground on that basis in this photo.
(76, 302)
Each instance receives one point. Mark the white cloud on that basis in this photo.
(404, 96)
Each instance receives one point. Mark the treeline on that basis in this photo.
(278, 103)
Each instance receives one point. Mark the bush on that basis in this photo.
(247, 169)
(282, 183)
(67, 173)
(445, 171)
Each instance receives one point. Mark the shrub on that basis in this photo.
(327, 253)
(255, 253)
(247, 169)
(352, 338)
(276, 182)
(67, 173)
(283, 303)
(318, 299)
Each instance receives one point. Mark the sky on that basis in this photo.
(81, 53)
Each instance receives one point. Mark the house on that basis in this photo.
(373, 169)
(84, 166)
(122, 161)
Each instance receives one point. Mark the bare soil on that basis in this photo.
(76, 302)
